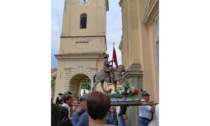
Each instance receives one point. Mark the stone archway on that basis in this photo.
(75, 83)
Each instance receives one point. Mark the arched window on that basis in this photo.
(83, 20)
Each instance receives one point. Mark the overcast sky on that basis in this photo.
(114, 28)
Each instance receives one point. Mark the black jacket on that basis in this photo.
(58, 101)
(59, 116)
(123, 110)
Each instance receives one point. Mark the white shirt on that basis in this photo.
(144, 111)
(67, 106)
(117, 109)
(157, 111)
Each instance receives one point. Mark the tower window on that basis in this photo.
(83, 20)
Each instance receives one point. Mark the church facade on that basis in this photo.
(140, 48)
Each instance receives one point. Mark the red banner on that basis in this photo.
(114, 57)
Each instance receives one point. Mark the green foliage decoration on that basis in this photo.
(52, 83)
(85, 84)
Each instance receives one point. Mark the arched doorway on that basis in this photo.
(79, 84)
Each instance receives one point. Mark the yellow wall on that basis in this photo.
(138, 43)
(138, 47)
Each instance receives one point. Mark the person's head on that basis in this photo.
(106, 56)
(60, 94)
(75, 98)
(145, 95)
(83, 101)
(98, 105)
(68, 100)
(112, 109)
(66, 94)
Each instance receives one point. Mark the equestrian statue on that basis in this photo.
(108, 74)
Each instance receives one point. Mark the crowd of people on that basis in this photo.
(94, 109)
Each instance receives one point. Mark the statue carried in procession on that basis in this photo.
(108, 73)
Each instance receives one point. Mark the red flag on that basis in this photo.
(114, 57)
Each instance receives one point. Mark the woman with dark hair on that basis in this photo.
(98, 105)
(59, 116)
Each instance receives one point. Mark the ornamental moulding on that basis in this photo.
(64, 35)
(151, 11)
(90, 55)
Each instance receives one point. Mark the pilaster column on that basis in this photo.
(134, 74)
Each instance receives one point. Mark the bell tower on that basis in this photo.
(82, 43)
(84, 26)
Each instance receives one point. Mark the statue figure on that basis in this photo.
(108, 69)
(102, 76)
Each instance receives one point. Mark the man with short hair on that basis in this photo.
(80, 117)
(59, 99)
(146, 111)
(67, 104)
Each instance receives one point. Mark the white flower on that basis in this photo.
(132, 88)
(128, 91)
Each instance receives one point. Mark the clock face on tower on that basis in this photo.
(84, 2)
